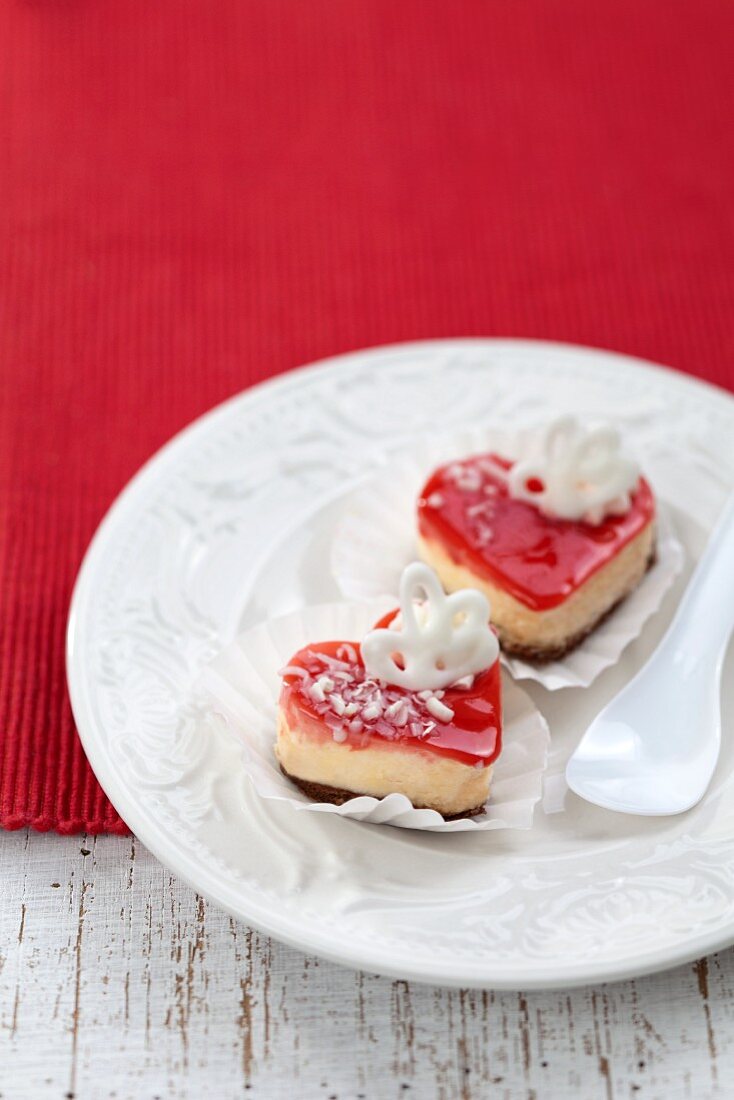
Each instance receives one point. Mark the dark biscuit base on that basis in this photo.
(321, 792)
(540, 656)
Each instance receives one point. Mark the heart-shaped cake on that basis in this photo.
(555, 539)
(346, 727)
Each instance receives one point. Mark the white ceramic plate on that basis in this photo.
(231, 523)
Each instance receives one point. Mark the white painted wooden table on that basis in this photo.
(118, 981)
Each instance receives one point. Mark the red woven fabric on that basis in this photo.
(197, 194)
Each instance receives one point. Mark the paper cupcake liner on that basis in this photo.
(376, 539)
(241, 687)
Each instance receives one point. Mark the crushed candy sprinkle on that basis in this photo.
(317, 692)
(439, 710)
(477, 479)
(353, 704)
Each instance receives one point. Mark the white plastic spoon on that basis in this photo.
(653, 749)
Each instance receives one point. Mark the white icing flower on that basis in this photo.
(448, 639)
(574, 472)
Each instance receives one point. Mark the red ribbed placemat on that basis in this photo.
(196, 195)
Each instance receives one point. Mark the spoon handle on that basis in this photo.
(705, 615)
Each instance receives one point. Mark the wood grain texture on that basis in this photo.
(118, 981)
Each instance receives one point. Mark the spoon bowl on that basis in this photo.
(654, 747)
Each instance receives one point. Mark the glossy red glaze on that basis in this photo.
(472, 737)
(540, 561)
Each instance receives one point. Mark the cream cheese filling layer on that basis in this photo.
(518, 625)
(426, 778)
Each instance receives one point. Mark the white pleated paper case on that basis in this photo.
(241, 686)
(376, 538)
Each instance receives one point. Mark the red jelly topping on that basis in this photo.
(541, 561)
(326, 688)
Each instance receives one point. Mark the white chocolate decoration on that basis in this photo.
(580, 471)
(441, 640)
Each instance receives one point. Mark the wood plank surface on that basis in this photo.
(118, 981)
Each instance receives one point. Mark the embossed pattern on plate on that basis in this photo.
(230, 523)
